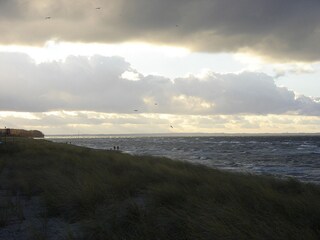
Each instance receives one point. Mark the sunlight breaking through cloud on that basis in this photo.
(85, 122)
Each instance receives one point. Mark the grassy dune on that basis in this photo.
(118, 196)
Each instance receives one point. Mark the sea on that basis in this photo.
(280, 156)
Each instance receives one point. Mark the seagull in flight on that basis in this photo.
(98, 8)
(47, 18)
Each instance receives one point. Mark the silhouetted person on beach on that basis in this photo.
(118, 148)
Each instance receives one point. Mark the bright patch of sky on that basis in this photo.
(304, 83)
(166, 61)
(173, 62)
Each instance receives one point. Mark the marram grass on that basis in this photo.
(119, 196)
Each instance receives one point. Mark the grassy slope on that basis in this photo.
(119, 196)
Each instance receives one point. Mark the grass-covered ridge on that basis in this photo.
(119, 196)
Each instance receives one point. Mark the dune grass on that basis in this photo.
(119, 196)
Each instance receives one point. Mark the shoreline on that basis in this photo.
(282, 157)
(108, 194)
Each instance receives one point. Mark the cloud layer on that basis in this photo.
(287, 30)
(98, 84)
(83, 122)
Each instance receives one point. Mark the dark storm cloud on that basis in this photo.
(97, 84)
(286, 30)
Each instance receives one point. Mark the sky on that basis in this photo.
(160, 66)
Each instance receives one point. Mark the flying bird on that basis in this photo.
(135, 110)
(171, 126)
(98, 8)
(47, 17)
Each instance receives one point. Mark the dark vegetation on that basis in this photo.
(10, 132)
(119, 196)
